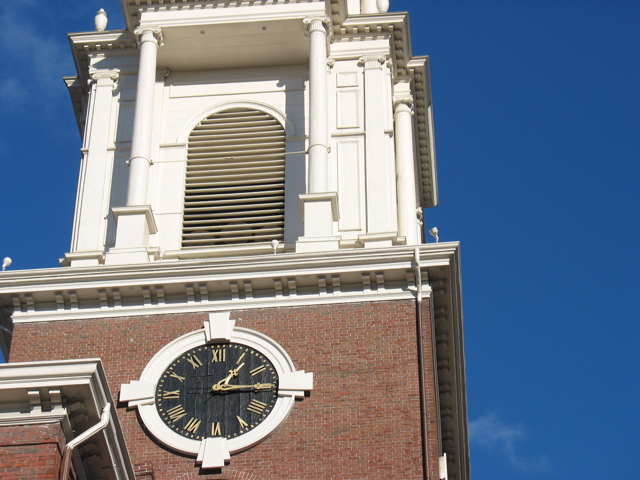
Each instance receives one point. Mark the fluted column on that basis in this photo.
(318, 105)
(149, 39)
(405, 171)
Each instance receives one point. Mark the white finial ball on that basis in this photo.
(434, 234)
(101, 20)
(6, 262)
(383, 6)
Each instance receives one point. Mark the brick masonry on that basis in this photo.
(31, 452)
(361, 421)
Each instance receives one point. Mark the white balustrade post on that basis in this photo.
(405, 171)
(318, 105)
(149, 39)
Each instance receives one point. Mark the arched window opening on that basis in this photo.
(234, 190)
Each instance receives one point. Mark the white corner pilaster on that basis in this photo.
(92, 204)
(379, 170)
(405, 164)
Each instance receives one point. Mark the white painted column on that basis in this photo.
(405, 171)
(318, 105)
(149, 38)
(135, 222)
(319, 206)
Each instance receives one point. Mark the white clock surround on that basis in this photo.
(215, 452)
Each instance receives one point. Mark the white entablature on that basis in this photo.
(176, 160)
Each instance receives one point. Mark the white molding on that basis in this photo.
(161, 287)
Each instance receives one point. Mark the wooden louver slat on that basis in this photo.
(234, 191)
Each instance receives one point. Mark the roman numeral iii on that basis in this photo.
(256, 406)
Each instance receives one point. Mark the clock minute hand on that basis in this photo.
(225, 388)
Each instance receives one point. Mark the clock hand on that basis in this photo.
(232, 373)
(225, 388)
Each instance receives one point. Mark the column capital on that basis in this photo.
(403, 104)
(149, 34)
(105, 78)
(319, 24)
(372, 61)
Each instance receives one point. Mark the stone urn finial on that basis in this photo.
(101, 20)
(383, 6)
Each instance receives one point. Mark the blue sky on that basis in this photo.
(537, 113)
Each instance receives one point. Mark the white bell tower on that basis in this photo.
(222, 129)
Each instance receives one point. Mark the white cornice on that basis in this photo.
(355, 275)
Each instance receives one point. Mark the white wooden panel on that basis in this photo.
(346, 79)
(350, 181)
(348, 112)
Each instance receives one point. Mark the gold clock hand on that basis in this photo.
(225, 388)
(232, 373)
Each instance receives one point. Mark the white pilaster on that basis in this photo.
(87, 245)
(405, 171)
(379, 171)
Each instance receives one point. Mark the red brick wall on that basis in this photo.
(31, 452)
(362, 420)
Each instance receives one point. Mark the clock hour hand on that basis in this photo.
(225, 388)
(232, 373)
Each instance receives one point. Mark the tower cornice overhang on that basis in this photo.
(219, 284)
(202, 35)
(84, 44)
(133, 9)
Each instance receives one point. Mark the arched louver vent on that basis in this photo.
(235, 180)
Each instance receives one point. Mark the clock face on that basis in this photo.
(217, 390)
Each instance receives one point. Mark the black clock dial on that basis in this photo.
(217, 390)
